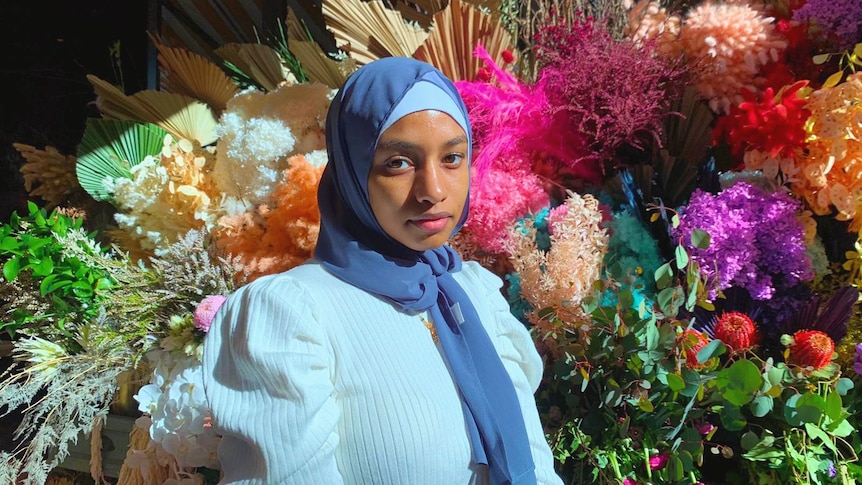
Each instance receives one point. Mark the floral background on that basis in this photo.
(669, 190)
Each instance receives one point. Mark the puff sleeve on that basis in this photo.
(522, 361)
(268, 379)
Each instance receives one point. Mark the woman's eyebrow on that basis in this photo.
(403, 145)
(396, 145)
(456, 141)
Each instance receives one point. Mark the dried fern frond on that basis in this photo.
(110, 148)
(259, 62)
(370, 31)
(319, 67)
(182, 116)
(64, 396)
(48, 174)
(457, 30)
(185, 72)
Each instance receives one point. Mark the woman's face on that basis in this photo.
(419, 179)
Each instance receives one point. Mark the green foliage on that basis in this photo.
(38, 250)
(626, 401)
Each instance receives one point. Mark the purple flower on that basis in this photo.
(857, 361)
(757, 243)
(832, 472)
(839, 19)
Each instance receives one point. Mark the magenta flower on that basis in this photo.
(704, 428)
(629, 481)
(206, 310)
(659, 461)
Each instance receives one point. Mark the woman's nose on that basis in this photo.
(429, 185)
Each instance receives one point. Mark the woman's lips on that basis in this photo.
(433, 223)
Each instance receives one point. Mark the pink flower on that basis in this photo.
(659, 461)
(704, 428)
(206, 310)
(629, 481)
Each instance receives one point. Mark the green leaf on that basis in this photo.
(740, 382)
(833, 406)
(675, 469)
(761, 406)
(9, 244)
(663, 276)
(749, 440)
(44, 267)
(810, 407)
(709, 350)
(844, 386)
(732, 419)
(817, 433)
(843, 429)
(675, 382)
(681, 257)
(11, 268)
(645, 405)
(700, 239)
(820, 58)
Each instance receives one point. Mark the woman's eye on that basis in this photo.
(397, 164)
(454, 159)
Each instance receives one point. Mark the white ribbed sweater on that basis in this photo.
(314, 381)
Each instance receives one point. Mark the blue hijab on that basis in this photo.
(354, 247)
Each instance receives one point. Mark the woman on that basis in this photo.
(384, 360)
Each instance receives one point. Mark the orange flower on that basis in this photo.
(811, 348)
(737, 331)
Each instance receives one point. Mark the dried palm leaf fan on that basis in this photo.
(180, 115)
(369, 30)
(110, 148)
(184, 72)
(457, 30)
(419, 11)
(318, 66)
(258, 61)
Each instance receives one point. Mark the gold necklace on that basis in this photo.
(431, 328)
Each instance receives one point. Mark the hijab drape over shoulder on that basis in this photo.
(354, 247)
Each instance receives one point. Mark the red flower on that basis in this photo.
(811, 348)
(737, 331)
(691, 341)
(508, 57)
(773, 123)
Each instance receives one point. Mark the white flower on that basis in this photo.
(177, 406)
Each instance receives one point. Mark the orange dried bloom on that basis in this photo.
(279, 236)
(727, 45)
(831, 173)
(811, 348)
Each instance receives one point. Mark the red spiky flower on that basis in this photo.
(811, 348)
(691, 341)
(737, 331)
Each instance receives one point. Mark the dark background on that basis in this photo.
(48, 48)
